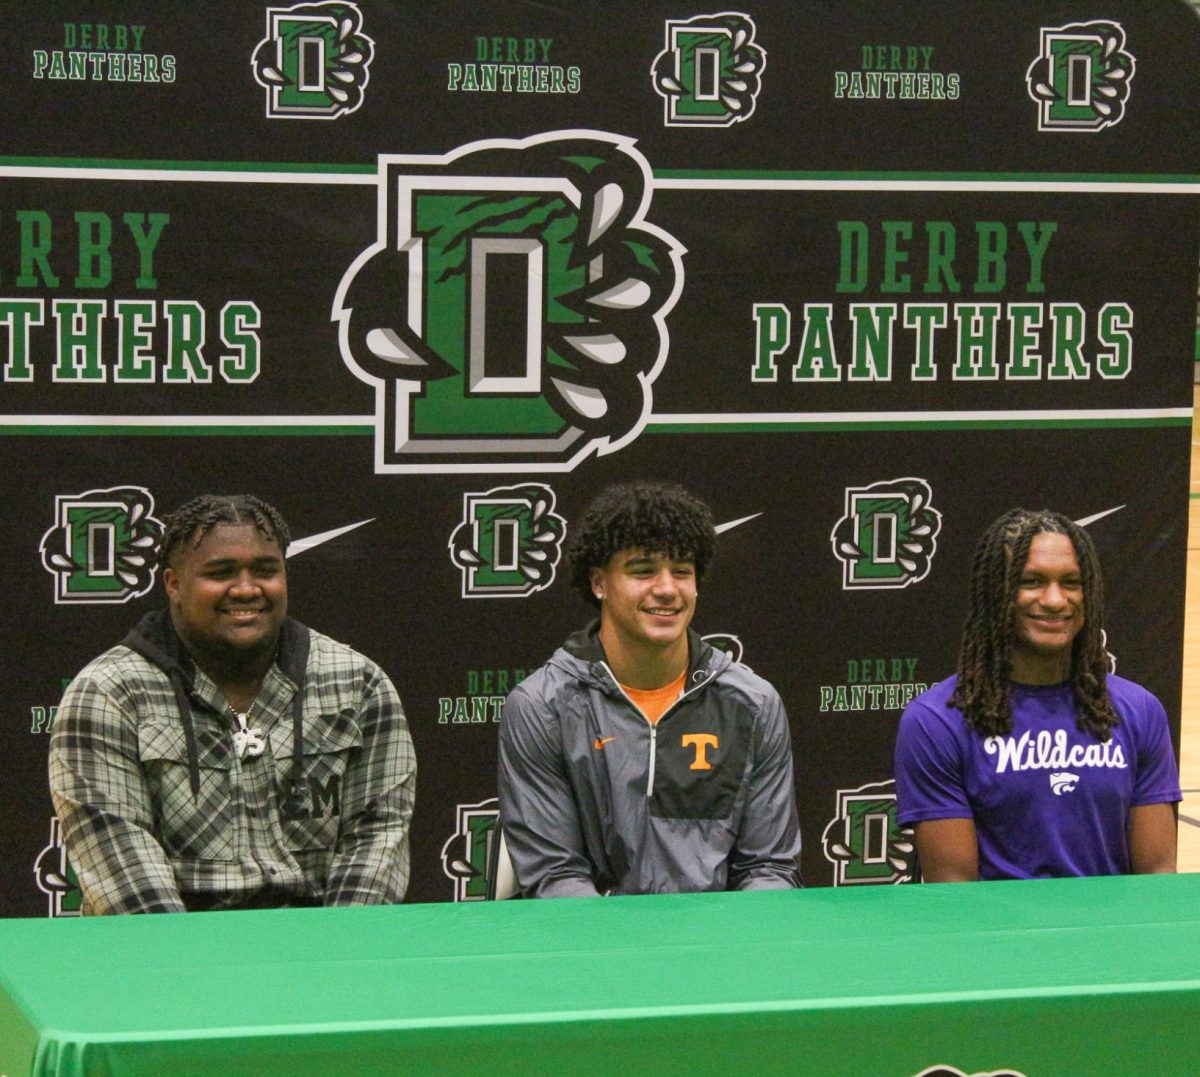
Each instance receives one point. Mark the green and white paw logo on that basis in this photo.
(1082, 78)
(863, 841)
(954, 1071)
(726, 642)
(101, 548)
(56, 878)
(888, 536)
(314, 62)
(710, 72)
(509, 541)
(511, 314)
(467, 852)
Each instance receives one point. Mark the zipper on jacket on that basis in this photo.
(653, 753)
(687, 692)
(654, 726)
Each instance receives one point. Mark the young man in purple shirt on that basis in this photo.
(1033, 761)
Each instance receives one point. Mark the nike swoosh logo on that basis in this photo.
(300, 545)
(601, 742)
(731, 524)
(1098, 516)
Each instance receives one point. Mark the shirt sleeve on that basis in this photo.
(107, 817)
(537, 806)
(371, 863)
(930, 783)
(765, 853)
(1157, 779)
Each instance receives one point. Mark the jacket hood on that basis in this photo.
(583, 656)
(155, 639)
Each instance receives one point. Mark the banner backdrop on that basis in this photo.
(862, 275)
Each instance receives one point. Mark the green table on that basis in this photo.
(1059, 977)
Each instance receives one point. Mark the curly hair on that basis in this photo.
(657, 517)
(189, 523)
(985, 651)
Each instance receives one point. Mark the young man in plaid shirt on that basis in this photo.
(224, 755)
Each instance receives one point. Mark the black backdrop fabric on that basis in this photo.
(862, 275)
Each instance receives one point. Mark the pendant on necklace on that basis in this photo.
(247, 741)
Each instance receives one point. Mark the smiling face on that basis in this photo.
(228, 595)
(1047, 611)
(647, 601)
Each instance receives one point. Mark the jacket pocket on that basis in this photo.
(199, 826)
(312, 816)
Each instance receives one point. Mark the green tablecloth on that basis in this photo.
(1056, 978)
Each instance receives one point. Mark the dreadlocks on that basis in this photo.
(652, 516)
(985, 652)
(189, 523)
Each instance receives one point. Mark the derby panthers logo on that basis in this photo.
(888, 536)
(101, 547)
(727, 642)
(1082, 78)
(863, 841)
(467, 852)
(508, 543)
(314, 62)
(511, 314)
(710, 72)
(954, 1071)
(1110, 659)
(56, 878)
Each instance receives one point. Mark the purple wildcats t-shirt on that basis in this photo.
(1048, 799)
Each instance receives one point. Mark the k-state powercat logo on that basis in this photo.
(511, 314)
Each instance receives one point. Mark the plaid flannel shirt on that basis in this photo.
(140, 841)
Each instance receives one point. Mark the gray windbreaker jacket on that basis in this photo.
(595, 800)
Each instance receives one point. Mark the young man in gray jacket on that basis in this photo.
(640, 760)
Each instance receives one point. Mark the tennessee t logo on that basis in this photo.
(701, 742)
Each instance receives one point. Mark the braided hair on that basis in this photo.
(188, 524)
(657, 517)
(985, 651)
